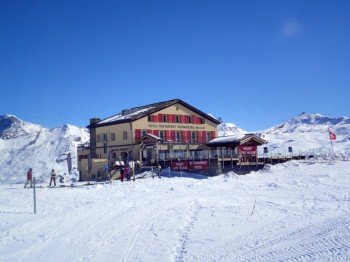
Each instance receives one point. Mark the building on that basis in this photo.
(150, 134)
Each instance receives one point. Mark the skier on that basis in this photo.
(53, 177)
(122, 174)
(29, 178)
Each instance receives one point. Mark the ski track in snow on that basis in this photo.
(301, 213)
(191, 218)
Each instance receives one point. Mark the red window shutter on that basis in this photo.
(154, 118)
(189, 138)
(149, 131)
(160, 118)
(167, 135)
(137, 134)
(195, 120)
(186, 119)
(172, 118)
(182, 119)
(172, 135)
(213, 134)
(204, 136)
(155, 132)
(184, 137)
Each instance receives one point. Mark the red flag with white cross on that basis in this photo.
(332, 135)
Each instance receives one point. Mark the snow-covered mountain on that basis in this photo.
(308, 133)
(229, 129)
(305, 133)
(24, 145)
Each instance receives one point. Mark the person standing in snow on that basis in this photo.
(29, 178)
(122, 174)
(53, 177)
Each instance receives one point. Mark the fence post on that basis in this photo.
(34, 194)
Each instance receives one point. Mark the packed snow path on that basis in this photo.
(302, 212)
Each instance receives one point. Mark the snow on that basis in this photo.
(292, 211)
(122, 116)
(305, 133)
(24, 145)
(227, 139)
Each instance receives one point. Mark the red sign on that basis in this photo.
(179, 165)
(189, 165)
(247, 150)
(199, 165)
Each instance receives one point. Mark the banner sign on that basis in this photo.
(247, 150)
(69, 162)
(179, 165)
(199, 165)
(189, 165)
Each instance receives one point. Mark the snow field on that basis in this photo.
(301, 213)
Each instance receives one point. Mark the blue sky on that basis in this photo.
(254, 63)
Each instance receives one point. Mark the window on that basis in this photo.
(105, 137)
(125, 135)
(112, 136)
(162, 134)
(149, 118)
(177, 119)
(190, 119)
(143, 132)
(165, 118)
(209, 137)
(193, 136)
(99, 138)
(201, 120)
(178, 136)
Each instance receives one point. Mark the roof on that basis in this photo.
(132, 114)
(235, 140)
(145, 136)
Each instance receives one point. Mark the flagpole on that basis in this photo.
(329, 132)
(332, 149)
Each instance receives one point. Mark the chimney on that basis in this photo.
(94, 120)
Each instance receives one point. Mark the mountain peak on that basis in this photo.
(317, 119)
(11, 127)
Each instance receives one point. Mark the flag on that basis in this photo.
(69, 162)
(332, 136)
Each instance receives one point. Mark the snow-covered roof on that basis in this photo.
(235, 140)
(153, 136)
(226, 139)
(125, 116)
(135, 113)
